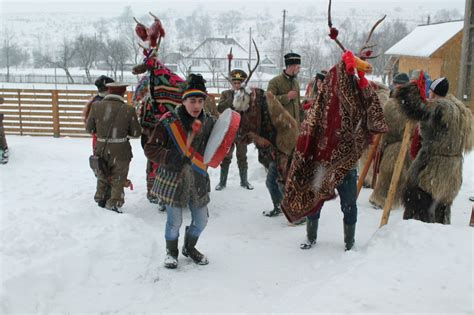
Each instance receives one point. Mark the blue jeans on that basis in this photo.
(273, 186)
(175, 219)
(348, 195)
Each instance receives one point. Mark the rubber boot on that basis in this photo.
(243, 179)
(223, 179)
(311, 233)
(349, 233)
(171, 260)
(189, 249)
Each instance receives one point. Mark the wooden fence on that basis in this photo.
(55, 113)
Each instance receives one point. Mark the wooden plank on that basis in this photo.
(71, 114)
(71, 119)
(65, 103)
(27, 124)
(24, 119)
(79, 125)
(29, 102)
(74, 131)
(74, 97)
(71, 108)
(26, 114)
(31, 96)
(34, 108)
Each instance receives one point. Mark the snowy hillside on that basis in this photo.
(61, 253)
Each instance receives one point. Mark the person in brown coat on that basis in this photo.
(182, 180)
(227, 101)
(286, 90)
(113, 121)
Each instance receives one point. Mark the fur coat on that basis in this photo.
(446, 133)
(390, 145)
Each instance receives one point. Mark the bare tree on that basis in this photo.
(115, 54)
(211, 61)
(63, 58)
(87, 51)
(228, 22)
(11, 54)
(311, 57)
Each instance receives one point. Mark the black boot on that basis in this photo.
(189, 249)
(161, 206)
(272, 213)
(311, 233)
(223, 179)
(349, 233)
(243, 179)
(171, 260)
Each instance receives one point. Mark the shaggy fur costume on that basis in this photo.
(446, 133)
(390, 145)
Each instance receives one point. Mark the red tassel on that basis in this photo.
(349, 61)
(415, 143)
(363, 82)
(333, 32)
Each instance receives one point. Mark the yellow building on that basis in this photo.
(434, 48)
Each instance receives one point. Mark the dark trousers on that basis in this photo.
(110, 187)
(348, 196)
(241, 156)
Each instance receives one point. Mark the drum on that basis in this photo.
(221, 138)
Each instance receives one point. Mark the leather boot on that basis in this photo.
(349, 233)
(243, 179)
(171, 260)
(189, 249)
(272, 213)
(223, 178)
(311, 233)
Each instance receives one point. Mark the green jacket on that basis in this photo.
(280, 86)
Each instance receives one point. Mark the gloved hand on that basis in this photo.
(175, 160)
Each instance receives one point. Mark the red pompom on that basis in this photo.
(349, 61)
(363, 82)
(196, 127)
(230, 56)
(366, 53)
(333, 32)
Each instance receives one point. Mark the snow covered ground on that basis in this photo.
(61, 253)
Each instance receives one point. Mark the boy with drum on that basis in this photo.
(177, 144)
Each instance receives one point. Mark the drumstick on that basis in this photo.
(195, 129)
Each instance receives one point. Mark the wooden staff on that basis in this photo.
(471, 223)
(397, 170)
(370, 158)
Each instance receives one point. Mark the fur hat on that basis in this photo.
(292, 59)
(401, 78)
(238, 75)
(195, 85)
(440, 86)
(101, 82)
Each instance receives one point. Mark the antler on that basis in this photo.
(251, 71)
(368, 53)
(333, 32)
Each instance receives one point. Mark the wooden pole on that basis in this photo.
(370, 157)
(471, 223)
(55, 103)
(409, 126)
(19, 113)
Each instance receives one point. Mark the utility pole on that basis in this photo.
(466, 73)
(428, 20)
(282, 50)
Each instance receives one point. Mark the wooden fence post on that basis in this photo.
(55, 103)
(370, 158)
(19, 113)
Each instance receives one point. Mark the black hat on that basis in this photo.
(440, 86)
(320, 76)
(195, 85)
(101, 82)
(292, 59)
(401, 78)
(238, 75)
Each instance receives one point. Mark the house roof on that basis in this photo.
(425, 40)
(219, 48)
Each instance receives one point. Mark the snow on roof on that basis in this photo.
(424, 40)
(219, 48)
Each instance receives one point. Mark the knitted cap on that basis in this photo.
(440, 86)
